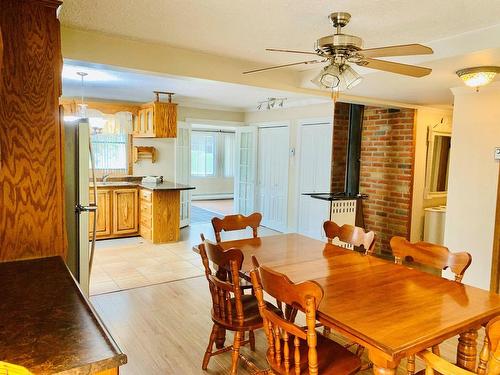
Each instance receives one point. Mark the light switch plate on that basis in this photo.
(497, 153)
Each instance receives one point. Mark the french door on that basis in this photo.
(314, 177)
(272, 176)
(183, 169)
(245, 169)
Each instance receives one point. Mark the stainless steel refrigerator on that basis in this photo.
(78, 171)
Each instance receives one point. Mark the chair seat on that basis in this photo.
(333, 358)
(252, 318)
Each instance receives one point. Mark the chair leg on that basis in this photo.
(251, 337)
(236, 352)
(410, 366)
(208, 352)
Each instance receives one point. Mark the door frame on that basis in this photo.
(298, 155)
(276, 124)
(495, 259)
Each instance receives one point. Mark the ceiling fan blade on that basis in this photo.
(401, 50)
(393, 67)
(282, 66)
(291, 51)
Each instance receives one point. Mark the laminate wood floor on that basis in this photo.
(164, 329)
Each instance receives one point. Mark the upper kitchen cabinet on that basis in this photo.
(31, 159)
(157, 119)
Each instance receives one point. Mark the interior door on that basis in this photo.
(272, 180)
(314, 177)
(183, 169)
(245, 168)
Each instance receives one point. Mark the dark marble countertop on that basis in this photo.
(47, 325)
(165, 185)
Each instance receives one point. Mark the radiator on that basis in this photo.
(344, 212)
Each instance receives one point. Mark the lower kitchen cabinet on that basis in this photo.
(103, 224)
(125, 212)
(117, 212)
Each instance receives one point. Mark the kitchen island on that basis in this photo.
(131, 208)
(48, 326)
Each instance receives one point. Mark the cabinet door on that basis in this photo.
(125, 211)
(149, 122)
(103, 227)
(142, 122)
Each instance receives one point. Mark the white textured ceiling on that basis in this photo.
(462, 33)
(105, 82)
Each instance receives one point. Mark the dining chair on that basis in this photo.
(236, 222)
(351, 235)
(430, 255)
(294, 349)
(489, 358)
(231, 309)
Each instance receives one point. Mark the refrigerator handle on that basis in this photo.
(93, 207)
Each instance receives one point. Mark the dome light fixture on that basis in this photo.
(478, 76)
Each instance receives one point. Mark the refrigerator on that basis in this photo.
(78, 171)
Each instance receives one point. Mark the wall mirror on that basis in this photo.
(438, 161)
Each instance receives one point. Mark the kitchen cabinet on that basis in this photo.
(117, 212)
(103, 224)
(156, 120)
(159, 215)
(32, 222)
(125, 211)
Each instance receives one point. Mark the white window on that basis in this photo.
(110, 152)
(203, 154)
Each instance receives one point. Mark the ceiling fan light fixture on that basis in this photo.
(328, 78)
(350, 77)
(478, 76)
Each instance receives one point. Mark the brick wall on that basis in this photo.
(339, 150)
(387, 172)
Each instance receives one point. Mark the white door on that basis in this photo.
(183, 169)
(272, 180)
(245, 166)
(314, 177)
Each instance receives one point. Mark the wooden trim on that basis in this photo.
(110, 108)
(495, 271)
(412, 182)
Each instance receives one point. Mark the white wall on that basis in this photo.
(425, 117)
(292, 116)
(473, 179)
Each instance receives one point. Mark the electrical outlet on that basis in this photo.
(497, 153)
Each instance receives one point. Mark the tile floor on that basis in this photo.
(135, 262)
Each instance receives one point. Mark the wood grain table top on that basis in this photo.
(381, 305)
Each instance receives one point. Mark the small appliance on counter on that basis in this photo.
(152, 180)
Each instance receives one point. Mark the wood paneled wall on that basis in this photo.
(31, 180)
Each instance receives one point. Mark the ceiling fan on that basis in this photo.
(341, 49)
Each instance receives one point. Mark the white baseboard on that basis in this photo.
(211, 197)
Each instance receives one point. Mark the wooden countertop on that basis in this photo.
(47, 325)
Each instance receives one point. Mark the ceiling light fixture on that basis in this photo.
(339, 77)
(82, 107)
(478, 76)
(271, 103)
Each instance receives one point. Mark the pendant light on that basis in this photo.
(82, 107)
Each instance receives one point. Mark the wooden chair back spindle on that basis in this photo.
(224, 286)
(284, 337)
(431, 255)
(350, 234)
(236, 222)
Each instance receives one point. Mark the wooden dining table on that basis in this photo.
(392, 310)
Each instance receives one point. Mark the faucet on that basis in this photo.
(105, 177)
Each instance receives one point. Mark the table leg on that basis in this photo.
(467, 350)
(381, 365)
